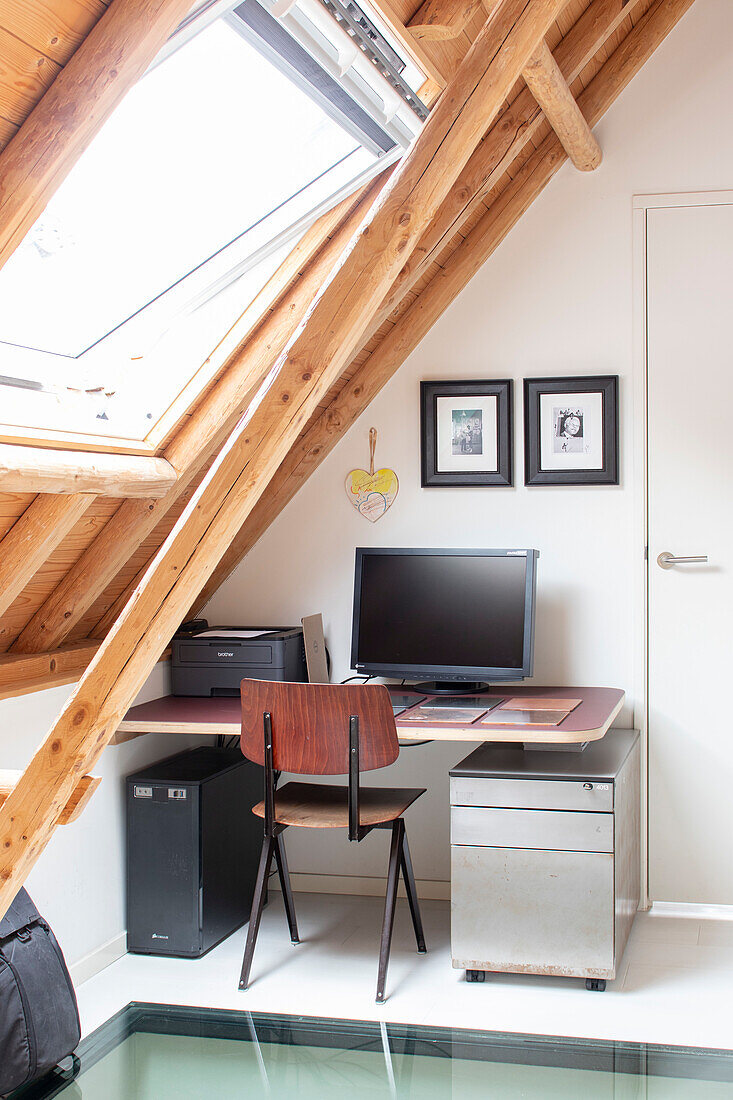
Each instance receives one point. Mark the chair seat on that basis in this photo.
(325, 805)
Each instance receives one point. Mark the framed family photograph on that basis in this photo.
(571, 430)
(466, 433)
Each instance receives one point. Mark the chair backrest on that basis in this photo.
(310, 725)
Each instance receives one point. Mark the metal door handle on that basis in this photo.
(667, 560)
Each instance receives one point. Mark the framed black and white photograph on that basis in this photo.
(571, 430)
(466, 433)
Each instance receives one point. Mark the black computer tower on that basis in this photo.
(193, 846)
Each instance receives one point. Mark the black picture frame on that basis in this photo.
(431, 473)
(606, 385)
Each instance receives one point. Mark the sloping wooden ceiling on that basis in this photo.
(90, 551)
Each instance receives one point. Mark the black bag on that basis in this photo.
(39, 1018)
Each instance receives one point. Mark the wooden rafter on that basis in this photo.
(38, 470)
(329, 426)
(425, 60)
(114, 54)
(78, 801)
(440, 19)
(513, 132)
(549, 87)
(23, 674)
(33, 537)
(90, 574)
(298, 381)
(113, 612)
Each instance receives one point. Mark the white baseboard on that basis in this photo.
(98, 959)
(691, 910)
(362, 885)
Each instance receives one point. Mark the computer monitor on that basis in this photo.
(455, 618)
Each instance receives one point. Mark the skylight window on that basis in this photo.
(210, 143)
(210, 166)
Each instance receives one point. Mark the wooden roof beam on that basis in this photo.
(115, 53)
(298, 381)
(73, 809)
(41, 470)
(423, 58)
(326, 429)
(33, 538)
(549, 87)
(23, 674)
(441, 19)
(512, 132)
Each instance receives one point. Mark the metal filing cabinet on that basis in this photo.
(545, 858)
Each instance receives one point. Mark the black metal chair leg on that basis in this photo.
(409, 877)
(258, 900)
(398, 832)
(284, 874)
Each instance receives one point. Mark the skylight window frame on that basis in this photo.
(260, 29)
(195, 385)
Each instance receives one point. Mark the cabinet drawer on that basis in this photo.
(558, 830)
(532, 912)
(533, 794)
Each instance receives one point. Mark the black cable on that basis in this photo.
(364, 679)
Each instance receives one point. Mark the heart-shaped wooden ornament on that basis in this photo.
(372, 493)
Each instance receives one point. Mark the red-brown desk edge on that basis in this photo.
(201, 716)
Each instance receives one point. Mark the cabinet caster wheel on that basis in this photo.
(595, 984)
(475, 976)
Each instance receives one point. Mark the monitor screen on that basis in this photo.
(444, 612)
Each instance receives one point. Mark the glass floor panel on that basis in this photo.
(158, 1052)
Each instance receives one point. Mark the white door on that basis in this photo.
(690, 410)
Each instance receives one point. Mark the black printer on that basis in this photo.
(214, 660)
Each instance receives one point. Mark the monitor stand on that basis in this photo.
(451, 687)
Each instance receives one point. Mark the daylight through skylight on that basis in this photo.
(233, 137)
(208, 144)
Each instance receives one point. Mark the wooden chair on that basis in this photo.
(325, 729)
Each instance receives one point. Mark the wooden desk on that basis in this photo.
(201, 716)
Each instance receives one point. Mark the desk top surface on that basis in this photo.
(588, 722)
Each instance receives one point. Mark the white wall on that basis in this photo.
(78, 883)
(555, 299)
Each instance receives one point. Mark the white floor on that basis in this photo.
(675, 987)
